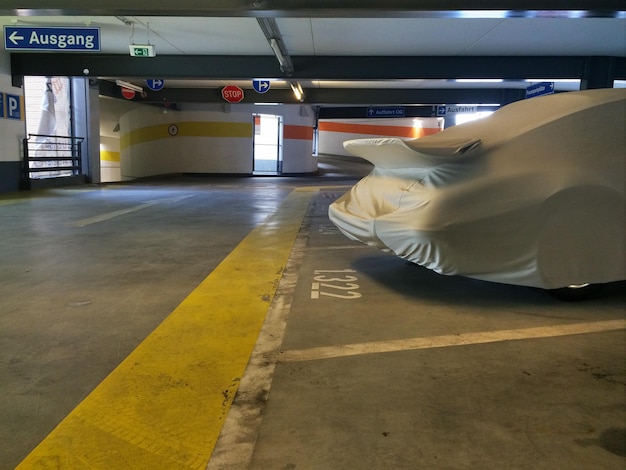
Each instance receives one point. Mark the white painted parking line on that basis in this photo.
(462, 339)
(110, 215)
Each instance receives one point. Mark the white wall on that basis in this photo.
(213, 138)
(111, 111)
(333, 133)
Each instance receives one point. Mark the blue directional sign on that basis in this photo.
(2, 105)
(155, 84)
(51, 38)
(447, 109)
(261, 86)
(538, 89)
(385, 111)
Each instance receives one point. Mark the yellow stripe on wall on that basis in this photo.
(163, 407)
(187, 129)
(109, 156)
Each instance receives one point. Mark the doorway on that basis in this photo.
(268, 144)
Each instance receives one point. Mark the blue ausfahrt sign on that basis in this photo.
(51, 38)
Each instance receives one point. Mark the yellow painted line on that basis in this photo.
(462, 339)
(163, 407)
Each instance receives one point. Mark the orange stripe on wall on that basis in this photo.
(389, 131)
(297, 132)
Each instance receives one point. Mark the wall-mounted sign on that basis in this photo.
(1, 105)
(51, 38)
(455, 109)
(538, 89)
(155, 84)
(127, 93)
(261, 86)
(13, 106)
(232, 93)
(385, 111)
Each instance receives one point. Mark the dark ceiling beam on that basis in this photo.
(325, 96)
(306, 67)
(318, 8)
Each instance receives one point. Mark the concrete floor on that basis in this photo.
(399, 368)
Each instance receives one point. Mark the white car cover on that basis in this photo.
(532, 195)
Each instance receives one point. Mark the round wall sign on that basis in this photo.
(173, 129)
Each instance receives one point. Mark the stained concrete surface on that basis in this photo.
(545, 403)
(86, 273)
(77, 297)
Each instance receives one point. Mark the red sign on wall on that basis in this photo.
(232, 93)
(128, 93)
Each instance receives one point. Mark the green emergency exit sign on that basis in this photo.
(142, 50)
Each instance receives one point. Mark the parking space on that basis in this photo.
(364, 360)
(388, 365)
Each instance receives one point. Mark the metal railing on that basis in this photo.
(51, 156)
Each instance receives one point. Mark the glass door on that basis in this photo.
(268, 139)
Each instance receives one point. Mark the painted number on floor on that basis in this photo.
(335, 283)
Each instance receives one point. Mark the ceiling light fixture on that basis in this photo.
(130, 86)
(275, 39)
(283, 60)
(297, 91)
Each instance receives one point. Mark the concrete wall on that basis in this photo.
(111, 111)
(216, 138)
(12, 131)
(333, 133)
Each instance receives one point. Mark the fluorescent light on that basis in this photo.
(479, 80)
(279, 54)
(297, 91)
(555, 80)
(130, 86)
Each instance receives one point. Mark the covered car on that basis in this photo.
(532, 195)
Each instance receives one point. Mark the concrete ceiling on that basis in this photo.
(340, 29)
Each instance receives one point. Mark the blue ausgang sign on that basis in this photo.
(386, 111)
(538, 89)
(51, 38)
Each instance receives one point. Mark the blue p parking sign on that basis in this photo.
(13, 106)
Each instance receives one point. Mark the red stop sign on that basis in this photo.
(232, 93)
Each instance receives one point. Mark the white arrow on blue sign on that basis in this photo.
(51, 38)
(261, 86)
(155, 84)
(385, 111)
